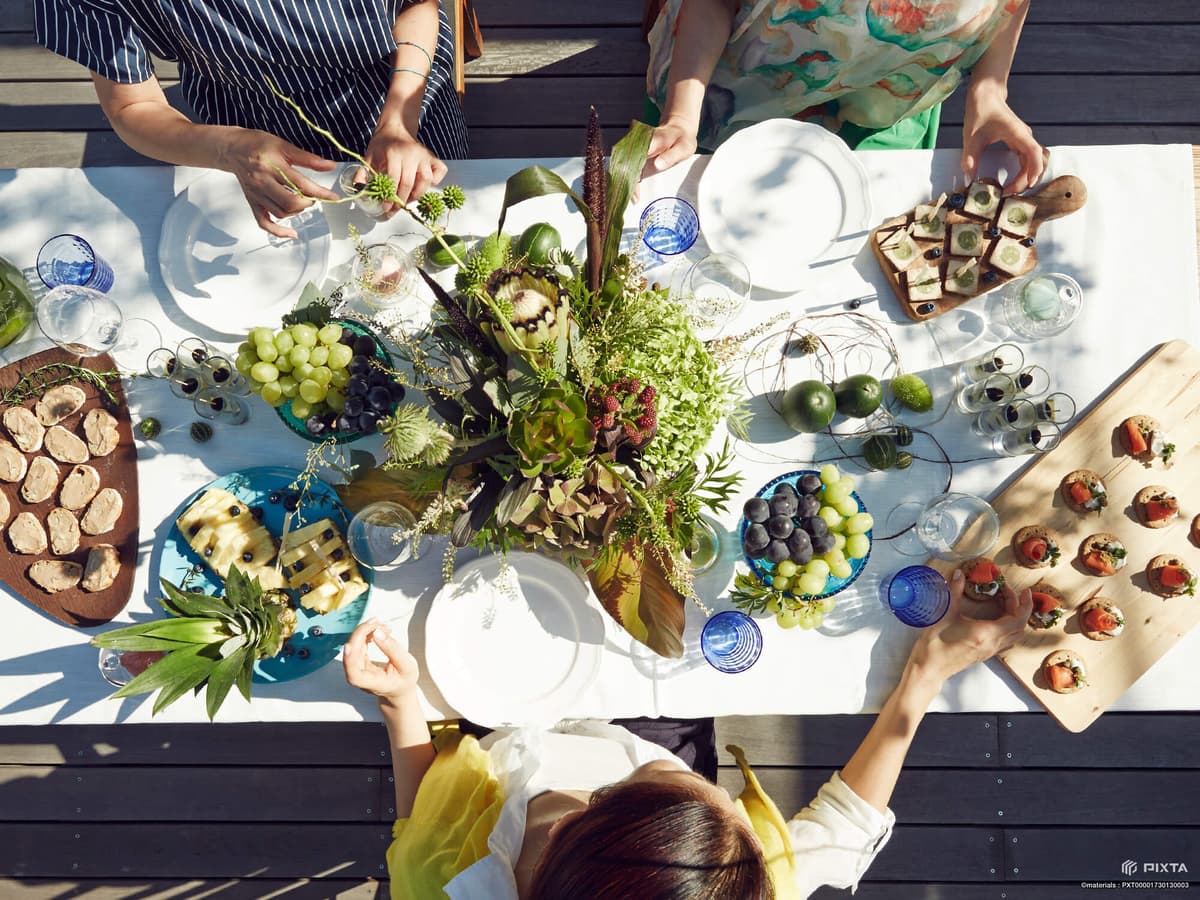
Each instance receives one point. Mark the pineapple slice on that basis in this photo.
(223, 531)
(317, 562)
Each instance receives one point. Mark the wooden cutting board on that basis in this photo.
(1058, 198)
(1165, 385)
(117, 470)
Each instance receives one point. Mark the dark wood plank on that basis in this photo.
(163, 888)
(1081, 796)
(1096, 854)
(189, 793)
(1107, 100)
(550, 101)
(561, 51)
(246, 744)
(550, 13)
(922, 797)
(73, 149)
(1115, 740)
(1130, 12)
(1085, 47)
(959, 741)
(21, 59)
(935, 853)
(874, 890)
(285, 850)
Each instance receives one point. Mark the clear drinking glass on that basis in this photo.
(992, 391)
(69, 259)
(1005, 359)
(718, 287)
(1042, 304)
(385, 275)
(956, 526)
(213, 403)
(1032, 381)
(380, 536)
(79, 319)
(349, 188)
(223, 375)
(731, 642)
(706, 545)
(1041, 437)
(195, 351)
(1058, 408)
(184, 379)
(119, 667)
(1007, 417)
(669, 226)
(918, 595)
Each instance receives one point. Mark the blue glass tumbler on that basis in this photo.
(918, 595)
(731, 642)
(69, 259)
(669, 226)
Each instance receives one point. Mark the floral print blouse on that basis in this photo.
(867, 62)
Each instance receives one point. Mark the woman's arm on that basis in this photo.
(142, 117)
(989, 118)
(394, 683)
(942, 650)
(702, 32)
(394, 148)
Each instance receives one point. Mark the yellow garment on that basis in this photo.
(770, 827)
(454, 812)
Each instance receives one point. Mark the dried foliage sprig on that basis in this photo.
(37, 382)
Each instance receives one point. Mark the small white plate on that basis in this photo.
(227, 273)
(513, 641)
(781, 195)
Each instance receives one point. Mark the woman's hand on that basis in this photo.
(988, 120)
(263, 165)
(392, 681)
(407, 160)
(673, 141)
(958, 641)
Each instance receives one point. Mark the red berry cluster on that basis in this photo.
(624, 412)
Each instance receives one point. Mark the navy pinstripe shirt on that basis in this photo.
(331, 57)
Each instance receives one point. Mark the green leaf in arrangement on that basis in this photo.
(640, 597)
(624, 170)
(222, 678)
(535, 181)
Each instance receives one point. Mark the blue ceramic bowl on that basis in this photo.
(763, 568)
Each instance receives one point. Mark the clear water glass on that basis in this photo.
(381, 536)
(1005, 359)
(1032, 381)
(1042, 304)
(69, 259)
(731, 642)
(195, 351)
(955, 526)
(1058, 408)
(80, 320)
(213, 403)
(992, 391)
(223, 375)
(385, 275)
(669, 226)
(717, 288)
(1006, 417)
(119, 667)
(1041, 437)
(918, 595)
(184, 379)
(351, 187)
(705, 549)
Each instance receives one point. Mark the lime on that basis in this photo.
(808, 406)
(441, 257)
(913, 392)
(858, 396)
(536, 242)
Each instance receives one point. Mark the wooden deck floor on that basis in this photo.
(991, 807)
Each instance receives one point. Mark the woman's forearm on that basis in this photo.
(702, 33)
(875, 767)
(412, 750)
(991, 71)
(416, 24)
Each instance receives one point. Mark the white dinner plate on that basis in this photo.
(227, 273)
(781, 195)
(504, 656)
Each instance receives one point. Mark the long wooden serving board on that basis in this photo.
(1060, 197)
(1166, 385)
(117, 470)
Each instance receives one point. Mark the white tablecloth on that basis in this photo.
(1132, 249)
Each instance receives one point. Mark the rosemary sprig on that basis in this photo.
(41, 379)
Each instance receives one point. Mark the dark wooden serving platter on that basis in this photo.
(1060, 197)
(117, 470)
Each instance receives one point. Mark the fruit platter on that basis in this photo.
(806, 536)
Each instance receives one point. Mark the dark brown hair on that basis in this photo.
(652, 841)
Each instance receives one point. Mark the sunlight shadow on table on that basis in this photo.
(78, 685)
